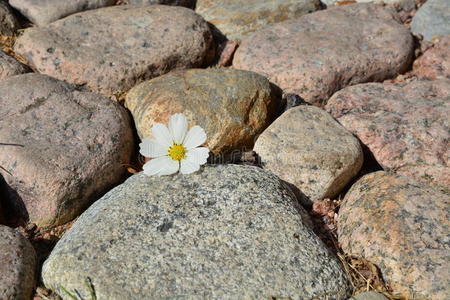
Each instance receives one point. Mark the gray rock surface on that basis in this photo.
(307, 148)
(432, 19)
(237, 18)
(70, 146)
(185, 3)
(44, 12)
(402, 226)
(9, 66)
(372, 295)
(8, 22)
(226, 232)
(17, 265)
(319, 53)
(112, 49)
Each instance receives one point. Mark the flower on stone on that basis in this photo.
(175, 148)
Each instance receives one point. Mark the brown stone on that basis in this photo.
(403, 227)
(435, 62)
(112, 49)
(319, 53)
(70, 147)
(233, 106)
(8, 21)
(404, 125)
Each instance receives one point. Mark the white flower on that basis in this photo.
(174, 148)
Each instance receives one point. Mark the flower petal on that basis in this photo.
(188, 167)
(178, 127)
(195, 137)
(198, 155)
(161, 166)
(151, 148)
(162, 135)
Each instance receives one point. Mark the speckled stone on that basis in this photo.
(432, 19)
(308, 148)
(110, 50)
(44, 12)
(73, 146)
(319, 53)
(226, 232)
(8, 21)
(9, 66)
(185, 3)
(435, 62)
(237, 18)
(17, 265)
(403, 227)
(233, 106)
(404, 125)
(372, 295)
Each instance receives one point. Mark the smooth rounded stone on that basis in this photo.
(317, 54)
(435, 62)
(9, 66)
(18, 265)
(73, 146)
(185, 3)
(233, 106)
(44, 12)
(8, 22)
(237, 18)
(372, 295)
(112, 49)
(225, 232)
(409, 3)
(309, 149)
(402, 226)
(404, 125)
(432, 19)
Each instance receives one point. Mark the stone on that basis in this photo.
(435, 62)
(225, 232)
(432, 19)
(404, 125)
(8, 21)
(309, 149)
(237, 18)
(407, 3)
(18, 265)
(110, 50)
(45, 12)
(401, 226)
(372, 295)
(233, 106)
(70, 147)
(319, 53)
(9, 66)
(185, 3)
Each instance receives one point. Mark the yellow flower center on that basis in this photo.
(177, 152)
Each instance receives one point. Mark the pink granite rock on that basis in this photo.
(435, 62)
(17, 265)
(405, 125)
(10, 66)
(319, 53)
(111, 49)
(403, 227)
(70, 147)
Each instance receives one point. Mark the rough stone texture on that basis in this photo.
(111, 49)
(432, 19)
(18, 265)
(233, 106)
(237, 18)
(308, 148)
(226, 232)
(435, 62)
(404, 125)
(320, 53)
(74, 145)
(44, 12)
(185, 3)
(343, 2)
(372, 295)
(9, 66)
(8, 22)
(402, 226)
